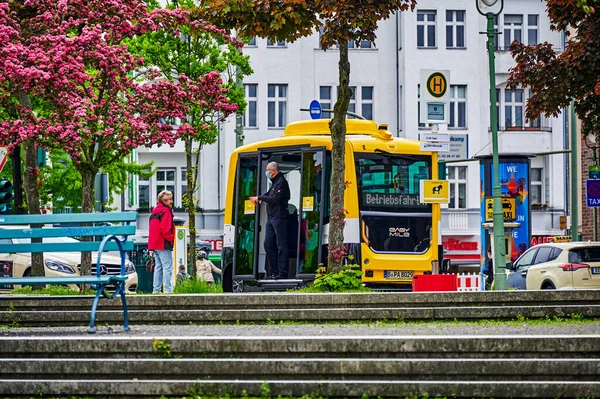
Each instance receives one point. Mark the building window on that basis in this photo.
(366, 102)
(532, 30)
(251, 109)
(458, 106)
(252, 42)
(513, 28)
(455, 29)
(143, 192)
(325, 99)
(277, 105)
(457, 180)
(421, 125)
(513, 108)
(165, 180)
(183, 182)
(271, 43)
(426, 29)
(361, 44)
(536, 186)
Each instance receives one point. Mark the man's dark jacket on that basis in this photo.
(277, 198)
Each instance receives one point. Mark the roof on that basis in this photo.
(361, 133)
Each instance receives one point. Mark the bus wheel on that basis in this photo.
(227, 279)
(238, 285)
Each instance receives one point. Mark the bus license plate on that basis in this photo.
(595, 270)
(394, 274)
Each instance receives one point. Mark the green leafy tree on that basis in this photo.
(60, 181)
(557, 78)
(341, 21)
(201, 49)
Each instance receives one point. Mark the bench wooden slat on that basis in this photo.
(64, 247)
(80, 231)
(100, 217)
(60, 280)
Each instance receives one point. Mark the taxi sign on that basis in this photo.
(509, 208)
(434, 192)
(561, 239)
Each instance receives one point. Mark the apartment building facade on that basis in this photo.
(440, 35)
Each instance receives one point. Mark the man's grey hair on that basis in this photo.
(163, 194)
(273, 166)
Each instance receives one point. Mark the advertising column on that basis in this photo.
(514, 183)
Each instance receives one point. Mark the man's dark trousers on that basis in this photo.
(276, 247)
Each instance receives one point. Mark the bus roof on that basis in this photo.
(359, 132)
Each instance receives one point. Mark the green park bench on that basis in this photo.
(114, 238)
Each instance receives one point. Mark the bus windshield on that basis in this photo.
(388, 190)
(390, 183)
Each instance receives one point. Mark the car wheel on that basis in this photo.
(548, 285)
(238, 285)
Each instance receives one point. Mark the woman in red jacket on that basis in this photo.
(160, 242)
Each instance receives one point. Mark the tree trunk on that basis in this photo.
(190, 205)
(337, 126)
(87, 205)
(31, 191)
(33, 202)
(17, 180)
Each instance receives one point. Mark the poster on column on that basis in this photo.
(514, 183)
(180, 250)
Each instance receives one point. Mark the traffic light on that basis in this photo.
(6, 195)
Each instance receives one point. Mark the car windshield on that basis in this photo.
(51, 239)
(591, 254)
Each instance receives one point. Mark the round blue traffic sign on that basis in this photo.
(315, 109)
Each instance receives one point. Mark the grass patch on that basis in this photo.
(50, 290)
(197, 286)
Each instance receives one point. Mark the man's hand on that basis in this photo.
(254, 199)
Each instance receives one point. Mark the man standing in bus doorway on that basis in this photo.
(277, 198)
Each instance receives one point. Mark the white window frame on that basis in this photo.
(537, 183)
(513, 104)
(278, 44)
(454, 108)
(326, 101)
(510, 29)
(425, 24)
(452, 28)
(455, 182)
(250, 100)
(533, 28)
(422, 126)
(357, 100)
(280, 121)
(164, 184)
(144, 183)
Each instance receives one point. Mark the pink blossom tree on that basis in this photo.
(100, 101)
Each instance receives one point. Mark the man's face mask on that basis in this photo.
(268, 174)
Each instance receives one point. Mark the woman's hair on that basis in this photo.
(163, 194)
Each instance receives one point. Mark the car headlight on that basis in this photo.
(129, 267)
(58, 266)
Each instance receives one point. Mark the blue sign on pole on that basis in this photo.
(315, 109)
(593, 193)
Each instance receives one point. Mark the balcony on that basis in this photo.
(461, 221)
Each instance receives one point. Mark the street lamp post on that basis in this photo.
(490, 9)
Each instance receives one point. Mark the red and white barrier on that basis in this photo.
(469, 282)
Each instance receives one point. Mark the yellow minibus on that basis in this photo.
(389, 232)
